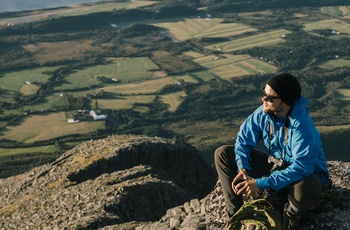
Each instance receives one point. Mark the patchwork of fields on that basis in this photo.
(140, 79)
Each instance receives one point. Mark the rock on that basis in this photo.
(141, 183)
(118, 180)
(331, 214)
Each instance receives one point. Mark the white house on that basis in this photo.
(72, 121)
(97, 117)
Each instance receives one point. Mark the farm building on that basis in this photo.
(72, 121)
(97, 117)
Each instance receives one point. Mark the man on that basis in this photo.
(294, 160)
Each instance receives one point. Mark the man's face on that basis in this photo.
(271, 101)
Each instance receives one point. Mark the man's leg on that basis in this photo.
(303, 195)
(226, 168)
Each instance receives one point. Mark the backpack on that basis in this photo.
(256, 215)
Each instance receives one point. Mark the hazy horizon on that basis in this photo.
(22, 5)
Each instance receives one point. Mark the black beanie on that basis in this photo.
(286, 86)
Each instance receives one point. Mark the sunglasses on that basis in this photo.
(269, 97)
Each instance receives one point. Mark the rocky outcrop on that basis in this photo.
(119, 180)
(139, 182)
(332, 213)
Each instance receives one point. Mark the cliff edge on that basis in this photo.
(108, 182)
(138, 182)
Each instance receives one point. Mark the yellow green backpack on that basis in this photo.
(256, 215)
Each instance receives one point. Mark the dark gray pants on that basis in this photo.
(304, 194)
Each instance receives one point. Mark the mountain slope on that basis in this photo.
(106, 182)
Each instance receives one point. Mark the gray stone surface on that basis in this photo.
(139, 182)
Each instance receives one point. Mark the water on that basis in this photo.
(20, 5)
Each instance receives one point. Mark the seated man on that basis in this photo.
(294, 158)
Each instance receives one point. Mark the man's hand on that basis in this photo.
(243, 184)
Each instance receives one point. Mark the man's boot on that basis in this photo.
(291, 217)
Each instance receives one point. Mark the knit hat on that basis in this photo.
(286, 86)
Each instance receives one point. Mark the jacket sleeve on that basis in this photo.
(304, 146)
(248, 137)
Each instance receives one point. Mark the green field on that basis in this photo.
(16, 80)
(50, 102)
(228, 66)
(40, 149)
(173, 100)
(203, 75)
(262, 39)
(335, 63)
(336, 11)
(125, 70)
(187, 28)
(342, 94)
(124, 102)
(331, 24)
(29, 89)
(35, 128)
(186, 78)
(146, 87)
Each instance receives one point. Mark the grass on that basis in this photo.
(35, 128)
(335, 63)
(29, 89)
(12, 112)
(16, 80)
(203, 75)
(332, 24)
(228, 66)
(125, 70)
(187, 28)
(336, 11)
(187, 78)
(194, 54)
(342, 94)
(173, 100)
(124, 102)
(19, 151)
(146, 87)
(262, 39)
(64, 50)
(54, 101)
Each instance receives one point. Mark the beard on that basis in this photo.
(269, 110)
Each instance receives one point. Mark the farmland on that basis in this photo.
(124, 70)
(331, 24)
(194, 77)
(35, 128)
(15, 80)
(187, 28)
(124, 102)
(228, 66)
(342, 94)
(262, 39)
(336, 11)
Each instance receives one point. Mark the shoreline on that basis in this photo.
(41, 6)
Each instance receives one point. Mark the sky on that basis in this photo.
(20, 5)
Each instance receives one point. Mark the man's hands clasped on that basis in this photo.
(243, 184)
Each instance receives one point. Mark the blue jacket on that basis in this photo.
(303, 151)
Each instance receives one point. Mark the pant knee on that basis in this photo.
(223, 156)
(306, 194)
